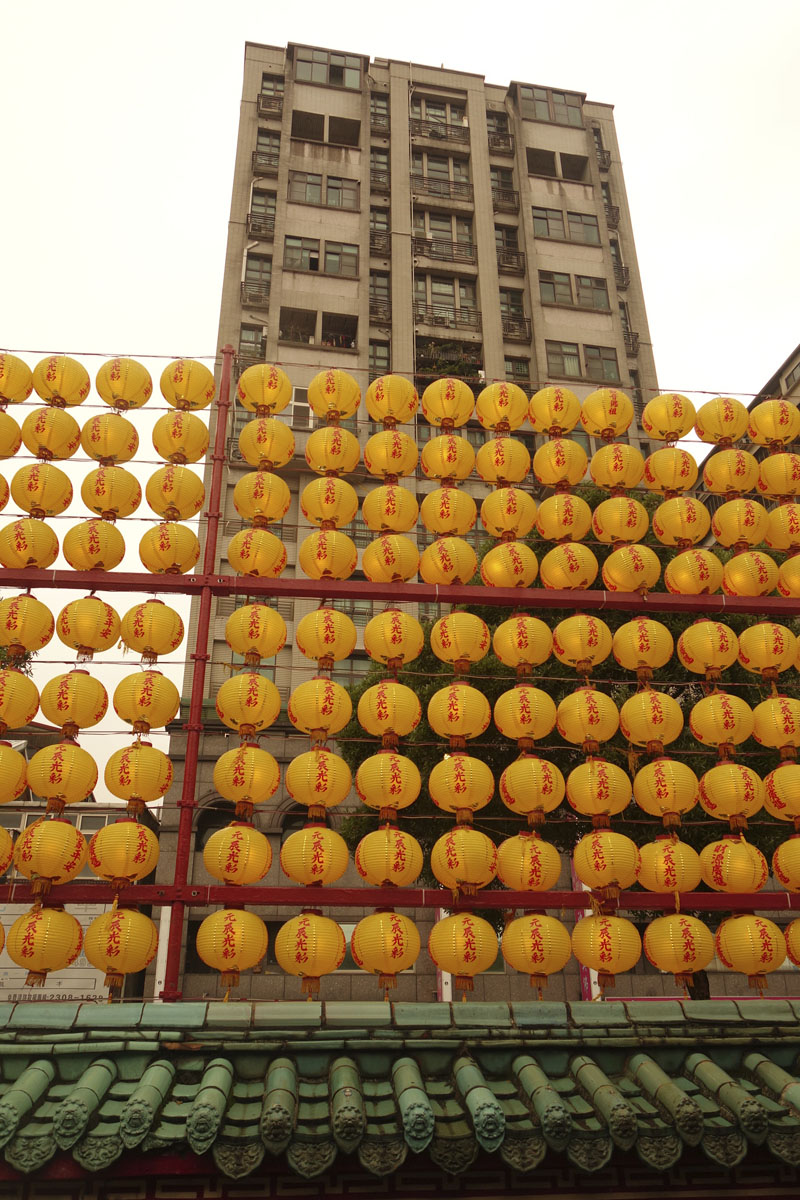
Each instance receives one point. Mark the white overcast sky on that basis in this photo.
(119, 124)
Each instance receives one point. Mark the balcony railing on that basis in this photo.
(511, 262)
(516, 329)
(505, 200)
(270, 106)
(442, 357)
(248, 355)
(265, 162)
(438, 130)
(380, 181)
(255, 295)
(261, 225)
(604, 159)
(451, 318)
(380, 242)
(380, 310)
(379, 123)
(431, 185)
(612, 216)
(631, 342)
(443, 250)
(501, 143)
(622, 275)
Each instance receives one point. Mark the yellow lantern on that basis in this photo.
(508, 512)
(522, 642)
(62, 774)
(27, 543)
(525, 713)
(767, 649)
(461, 785)
(792, 934)
(246, 702)
(554, 411)
(560, 464)
(511, 564)
(651, 719)
(666, 788)
(16, 380)
(526, 863)
(448, 458)
(41, 490)
(617, 467)
(74, 701)
(586, 718)
(708, 648)
(393, 638)
(781, 794)
(61, 381)
(175, 493)
(19, 700)
(262, 497)
(266, 443)
(774, 423)
(448, 560)
(391, 509)
(50, 851)
(668, 418)
(334, 395)
(232, 940)
(389, 710)
(248, 776)
(730, 472)
(44, 940)
(776, 723)
(733, 865)
(392, 400)
(318, 707)
(111, 492)
(10, 436)
(325, 554)
(668, 865)
(562, 518)
(449, 511)
(501, 407)
(314, 856)
(180, 437)
(606, 862)
(324, 635)
(13, 772)
(631, 569)
(50, 433)
(170, 549)
(388, 781)
(598, 789)
(333, 451)
(448, 403)
(148, 700)
(571, 567)
(532, 787)
(502, 461)
(4, 493)
(187, 385)
(109, 438)
(670, 471)
(387, 857)
(582, 642)
(390, 558)
(390, 454)
(310, 946)
(459, 712)
(139, 774)
(329, 502)
(788, 576)
(721, 421)
(740, 523)
(257, 552)
(384, 944)
(606, 413)
(681, 521)
(607, 945)
(750, 573)
(123, 852)
(264, 389)
(679, 945)
(786, 864)
(26, 625)
(464, 945)
(124, 383)
(152, 629)
(694, 573)
(537, 945)
(464, 860)
(121, 942)
(779, 476)
(642, 645)
(752, 945)
(6, 855)
(731, 792)
(460, 639)
(93, 546)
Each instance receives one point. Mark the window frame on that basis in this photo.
(590, 283)
(303, 180)
(557, 355)
(556, 280)
(538, 103)
(304, 250)
(344, 190)
(579, 221)
(324, 61)
(602, 355)
(548, 216)
(348, 253)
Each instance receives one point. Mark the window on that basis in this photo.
(518, 370)
(605, 189)
(616, 257)
(349, 672)
(297, 325)
(541, 162)
(298, 412)
(511, 303)
(548, 223)
(442, 112)
(258, 271)
(506, 237)
(344, 132)
(563, 359)
(301, 254)
(544, 104)
(341, 193)
(378, 159)
(252, 342)
(341, 258)
(624, 317)
(378, 365)
(379, 220)
(211, 820)
(592, 292)
(262, 204)
(268, 142)
(440, 166)
(340, 330)
(574, 166)
(597, 135)
(583, 227)
(308, 127)
(502, 178)
(496, 122)
(554, 288)
(379, 285)
(305, 188)
(323, 66)
(792, 378)
(272, 85)
(379, 109)
(601, 363)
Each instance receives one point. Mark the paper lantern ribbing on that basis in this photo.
(10, 436)
(44, 940)
(668, 865)
(767, 649)
(27, 543)
(582, 642)
(617, 467)
(464, 860)
(13, 772)
(388, 781)
(389, 559)
(731, 792)
(391, 509)
(606, 862)
(730, 473)
(74, 701)
(49, 851)
(318, 707)
(139, 774)
(384, 944)
(562, 518)
(327, 502)
(61, 381)
(332, 451)
(525, 714)
(750, 573)
(121, 942)
(393, 638)
(314, 856)
(510, 564)
(538, 945)
(326, 554)
(264, 389)
(173, 549)
(16, 380)
(123, 852)
(42, 490)
(668, 418)
(110, 439)
(324, 635)
(262, 497)
(554, 411)
(606, 413)
(4, 493)
(461, 785)
(124, 383)
(681, 521)
(679, 945)
(319, 779)
(19, 700)
(256, 632)
(651, 719)
(248, 703)
(26, 626)
(619, 520)
(447, 403)
(111, 492)
(740, 523)
(232, 940)
(721, 421)
(533, 787)
(256, 552)
(776, 723)
(148, 700)
(598, 789)
(572, 567)
(152, 629)
(62, 774)
(786, 864)
(458, 712)
(6, 855)
(782, 793)
(733, 865)
(522, 642)
(175, 493)
(642, 645)
(448, 458)
(460, 639)
(448, 560)
(247, 776)
(392, 400)
(189, 385)
(586, 718)
(387, 857)
(503, 461)
(752, 945)
(464, 945)
(779, 477)
(694, 573)
(666, 788)
(448, 511)
(526, 863)
(509, 513)
(722, 721)
(389, 710)
(390, 455)
(607, 945)
(180, 437)
(310, 946)
(501, 407)
(774, 423)
(50, 433)
(89, 626)
(266, 443)
(560, 464)
(708, 648)
(670, 472)
(93, 545)
(334, 395)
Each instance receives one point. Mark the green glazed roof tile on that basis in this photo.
(108, 1016)
(43, 1016)
(177, 1016)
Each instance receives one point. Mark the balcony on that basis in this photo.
(516, 329)
(255, 295)
(249, 355)
(261, 225)
(451, 318)
(604, 159)
(380, 310)
(501, 143)
(505, 200)
(510, 262)
(622, 275)
(444, 251)
(270, 106)
(438, 130)
(265, 162)
(631, 342)
(380, 181)
(612, 216)
(443, 357)
(380, 243)
(379, 124)
(431, 185)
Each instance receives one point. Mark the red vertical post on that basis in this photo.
(200, 656)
